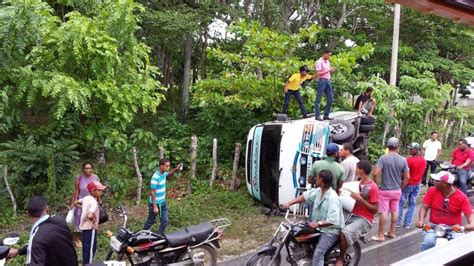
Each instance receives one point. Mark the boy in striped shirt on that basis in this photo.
(157, 200)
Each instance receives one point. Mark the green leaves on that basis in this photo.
(90, 65)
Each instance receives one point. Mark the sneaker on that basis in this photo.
(318, 118)
(397, 226)
(328, 118)
(406, 227)
(305, 116)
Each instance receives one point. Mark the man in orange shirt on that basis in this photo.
(292, 88)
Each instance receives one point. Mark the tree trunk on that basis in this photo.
(203, 54)
(188, 52)
(448, 131)
(214, 161)
(235, 166)
(162, 152)
(7, 186)
(139, 175)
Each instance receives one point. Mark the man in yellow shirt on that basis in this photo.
(292, 88)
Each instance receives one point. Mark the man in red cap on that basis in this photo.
(90, 220)
(446, 205)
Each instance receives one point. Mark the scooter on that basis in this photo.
(9, 240)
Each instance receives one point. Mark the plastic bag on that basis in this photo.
(70, 216)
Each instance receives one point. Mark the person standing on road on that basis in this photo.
(329, 163)
(292, 89)
(326, 214)
(364, 210)
(157, 200)
(392, 168)
(446, 205)
(417, 166)
(50, 241)
(431, 152)
(349, 163)
(462, 157)
(324, 70)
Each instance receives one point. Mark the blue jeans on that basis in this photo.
(463, 175)
(297, 96)
(164, 217)
(324, 86)
(325, 242)
(429, 239)
(89, 245)
(410, 193)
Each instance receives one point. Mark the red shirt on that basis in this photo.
(417, 166)
(370, 192)
(460, 157)
(451, 214)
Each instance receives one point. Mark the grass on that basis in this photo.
(248, 231)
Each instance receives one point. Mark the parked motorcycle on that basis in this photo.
(194, 245)
(443, 232)
(9, 240)
(299, 240)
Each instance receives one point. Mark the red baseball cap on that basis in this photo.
(95, 185)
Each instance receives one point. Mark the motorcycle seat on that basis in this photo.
(178, 238)
(4, 252)
(200, 232)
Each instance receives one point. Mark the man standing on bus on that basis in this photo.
(292, 89)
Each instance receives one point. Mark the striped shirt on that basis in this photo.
(158, 184)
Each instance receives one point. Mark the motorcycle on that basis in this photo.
(299, 240)
(443, 232)
(194, 245)
(9, 240)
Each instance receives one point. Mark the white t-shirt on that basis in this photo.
(349, 165)
(431, 149)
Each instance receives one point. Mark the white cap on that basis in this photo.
(443, 176)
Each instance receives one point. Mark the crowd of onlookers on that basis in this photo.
(396, 180)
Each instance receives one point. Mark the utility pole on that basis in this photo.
(396, 31)
(393, 65)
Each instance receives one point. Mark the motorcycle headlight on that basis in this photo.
(440, 231)
(115, 244)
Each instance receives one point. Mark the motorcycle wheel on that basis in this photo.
(210, 256)
(263, 259)
(352, 256)
(110, 252)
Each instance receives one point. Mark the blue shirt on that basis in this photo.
(158, 184)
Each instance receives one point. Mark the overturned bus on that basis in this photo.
(280, 153)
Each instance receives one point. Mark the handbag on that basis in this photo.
(70, 216)
(103, 216)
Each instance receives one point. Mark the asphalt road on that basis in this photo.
(407, 243)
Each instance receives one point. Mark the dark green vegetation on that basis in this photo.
(81, 80)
